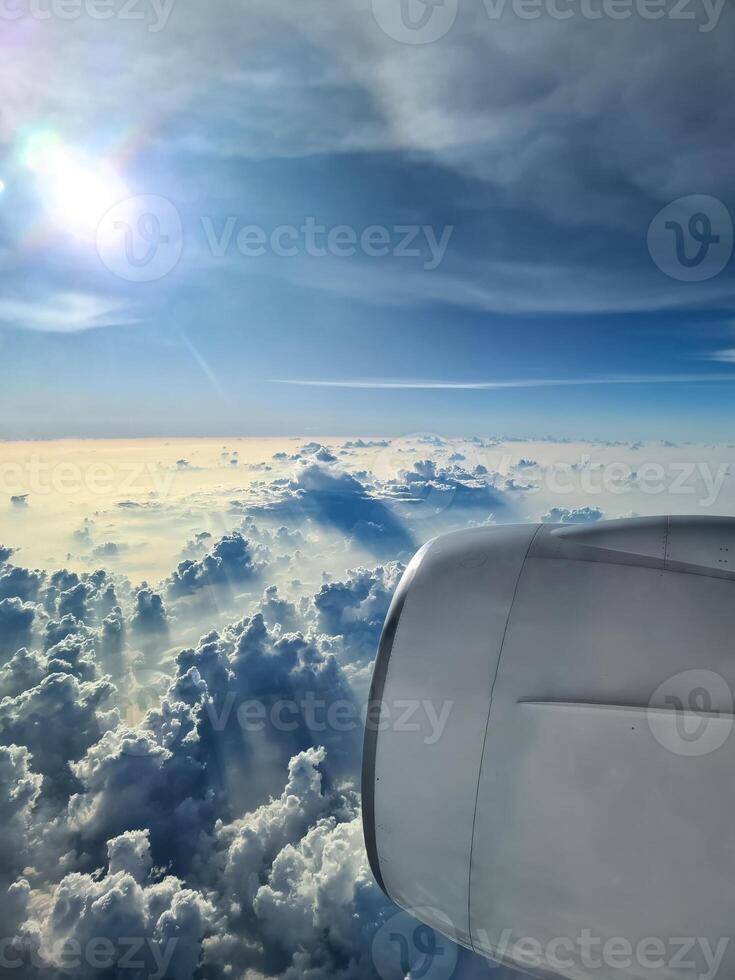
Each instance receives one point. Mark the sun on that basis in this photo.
(75, 189)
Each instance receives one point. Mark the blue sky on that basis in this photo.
(534, 155)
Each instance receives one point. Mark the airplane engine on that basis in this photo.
(549, 761)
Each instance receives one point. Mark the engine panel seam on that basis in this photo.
(487, 726)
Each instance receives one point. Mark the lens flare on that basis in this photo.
(75, 189)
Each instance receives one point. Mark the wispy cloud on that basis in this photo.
(64, 312)
(726, 356)
(516, 382)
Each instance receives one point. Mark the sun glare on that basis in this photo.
(76, 190)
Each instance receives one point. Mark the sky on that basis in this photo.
(246, 222)
(286, 290)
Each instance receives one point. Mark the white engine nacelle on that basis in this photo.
(549, 765)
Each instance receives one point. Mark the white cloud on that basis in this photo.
(727, 355)
(65, 312)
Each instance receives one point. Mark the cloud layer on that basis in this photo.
(179, 759)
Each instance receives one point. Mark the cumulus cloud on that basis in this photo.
(250, 845)
(319, 904)
(366, 444)
(57, 720)
(296, 870)
(144, 778)
(263, 693)
(57, 630)
(429, 495)
(150, 613)
(16, 621)
(73, 602)
(356, 607)
(197, 546)
(110, 549)
(230, 562)
(575, 515)
(124, 916)
(19, 791)
(21, 583)
(278, 612)
(24, 670)
(336, 499)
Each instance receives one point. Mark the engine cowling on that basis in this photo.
(549, 751)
